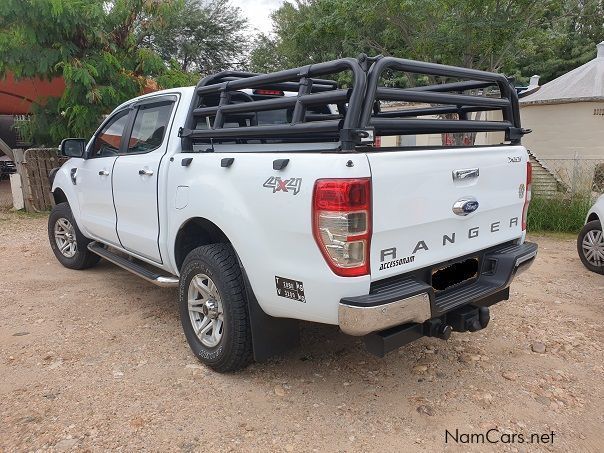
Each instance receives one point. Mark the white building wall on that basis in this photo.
(563, 130)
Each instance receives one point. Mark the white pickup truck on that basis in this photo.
(266, 199)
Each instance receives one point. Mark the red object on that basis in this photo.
(262, 92)
(528, 193)
(17, 96)
(346, 196)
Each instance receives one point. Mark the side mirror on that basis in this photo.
(73, 147)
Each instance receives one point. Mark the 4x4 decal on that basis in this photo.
(283, 185)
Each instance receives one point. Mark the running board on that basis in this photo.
(137, 269)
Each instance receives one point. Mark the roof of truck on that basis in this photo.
(179, 90)
(585, 83)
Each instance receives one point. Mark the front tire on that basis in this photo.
(590, 245)
(68, 243)
(213, 308)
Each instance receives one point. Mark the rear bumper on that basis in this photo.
(410, 299)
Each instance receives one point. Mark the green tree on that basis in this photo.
(266, 55)
(202, 36)
(569, 40)
(93, 44)
(109, 51)
(518, 37)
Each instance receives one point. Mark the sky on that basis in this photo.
(258, 12)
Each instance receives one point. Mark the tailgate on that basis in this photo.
(414, 196)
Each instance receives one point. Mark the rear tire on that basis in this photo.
(68, 243)
(213, 308)
(590, 245)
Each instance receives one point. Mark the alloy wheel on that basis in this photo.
(593, 247)
(65, 237)
(205, 310)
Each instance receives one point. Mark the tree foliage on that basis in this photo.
(569, 40)
(109, 51)
(204, 36)
(92, 44)
(518, 37)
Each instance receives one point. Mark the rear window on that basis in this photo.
(272, 117)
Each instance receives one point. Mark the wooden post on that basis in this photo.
(19, 156)
(17, 191)
(34, 166)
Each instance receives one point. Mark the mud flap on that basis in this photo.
(270, 336)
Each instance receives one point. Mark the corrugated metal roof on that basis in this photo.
(586, 83)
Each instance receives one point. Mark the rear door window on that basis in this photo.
(149, 127)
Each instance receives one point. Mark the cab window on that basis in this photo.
(107, 141)
(149, 127)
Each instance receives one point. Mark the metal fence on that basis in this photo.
(576, 175)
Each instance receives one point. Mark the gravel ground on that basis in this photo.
(96, 360)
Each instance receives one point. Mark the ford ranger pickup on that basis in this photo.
(332, 193)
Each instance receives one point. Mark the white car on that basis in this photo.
(590, 243)
(265, 209)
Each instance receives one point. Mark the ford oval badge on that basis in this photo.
(465, 206)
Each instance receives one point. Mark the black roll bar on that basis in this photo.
(275, 131)
(327, 97)
(311, 91)
(424, 111)
(218, 98)
(477, 79)
(454, 86)
(429, 97)
(394, 126)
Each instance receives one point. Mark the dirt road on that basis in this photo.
(96, 360)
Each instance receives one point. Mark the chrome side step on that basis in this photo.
(144, 273)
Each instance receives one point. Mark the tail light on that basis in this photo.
(264, 92)
(342, 224)
(528, 193)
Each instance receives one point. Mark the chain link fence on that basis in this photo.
(576, 175)
(563, 191)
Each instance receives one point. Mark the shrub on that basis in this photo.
(559, 214)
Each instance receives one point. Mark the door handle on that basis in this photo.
(468, 173)
(103, 173)
(145, 172)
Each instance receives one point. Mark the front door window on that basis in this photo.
(107, 141)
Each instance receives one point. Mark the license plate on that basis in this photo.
(292, 289)
(454, 274)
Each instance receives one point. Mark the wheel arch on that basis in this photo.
(193, 233)
(593, 216)
(59, 196)
(65, 191)
(270, 336)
